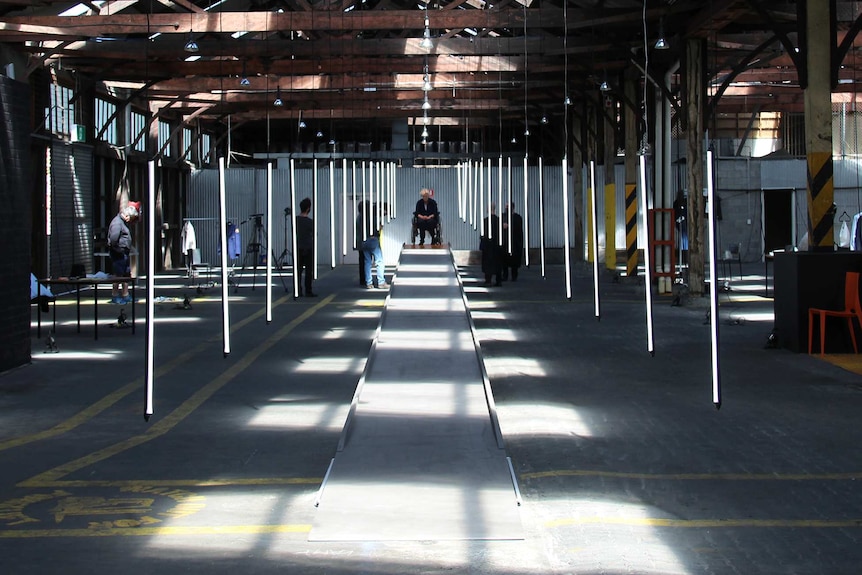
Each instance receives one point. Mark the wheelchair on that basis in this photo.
(436, 232)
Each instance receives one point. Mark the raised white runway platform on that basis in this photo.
(420, 457)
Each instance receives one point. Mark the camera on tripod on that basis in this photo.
(287, 211)
(257, 219)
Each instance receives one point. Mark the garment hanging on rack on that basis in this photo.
(234, 241)
(844, 231)
(187, 237)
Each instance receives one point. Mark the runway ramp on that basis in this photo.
(420, 456)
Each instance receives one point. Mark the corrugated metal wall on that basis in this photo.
(71, 240)
(246, 195)
(245, 191)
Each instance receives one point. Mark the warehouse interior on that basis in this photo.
(603, 121)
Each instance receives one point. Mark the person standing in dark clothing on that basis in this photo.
(305, 247)
(119, 246)
(361, 224)
(427, 216)
(491, 247)
(513, 229)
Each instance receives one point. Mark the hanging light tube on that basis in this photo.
(713, 285)
(647, 257)
(331, 214)
(566, 254)
(151, 262)
(293, 225)
(269, 242)
(526, 216)
(225, 312)
(594, 214)
(344, 206)
(314, 185)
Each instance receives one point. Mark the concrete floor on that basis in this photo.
(623, 462)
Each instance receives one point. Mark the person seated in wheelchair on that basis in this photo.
(426, 217)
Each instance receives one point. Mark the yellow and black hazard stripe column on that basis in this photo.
(820, 198)
(631, 229)
(818, 125)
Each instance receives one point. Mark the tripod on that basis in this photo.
(285, 254)
(255, 248)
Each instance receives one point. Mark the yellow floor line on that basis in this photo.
(850, 361)
(167, 423)
(188, 483)
(157, 531)
(95, 409)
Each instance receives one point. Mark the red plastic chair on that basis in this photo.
(852, 309)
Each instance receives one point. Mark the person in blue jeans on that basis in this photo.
(372, 252)
(119, 245)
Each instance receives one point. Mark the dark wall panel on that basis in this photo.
(15, 223)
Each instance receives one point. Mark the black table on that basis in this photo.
(78, 283)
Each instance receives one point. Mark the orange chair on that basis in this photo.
(852, 308)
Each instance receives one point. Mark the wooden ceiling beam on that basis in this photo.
(372, 66)
(318, 21)
(274, 50)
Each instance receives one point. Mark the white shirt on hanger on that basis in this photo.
(187, 238)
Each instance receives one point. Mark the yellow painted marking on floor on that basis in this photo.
(849, 361)
(157, 531)
(697, 476)
(132, 483)
(164, 425)
(95, 409)
(705, 523)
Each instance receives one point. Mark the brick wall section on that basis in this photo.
(15, 223)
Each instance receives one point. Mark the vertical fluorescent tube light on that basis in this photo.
(490, 193)
(293, 225)
(392, 206)
(594, 214)
(480, 191)
(380, 190)
(541, 218)
(474, 190)
(225, 312)
(379, 183)
(526, 217)
(151, 281)
(470, 204)
(500, 198)
(331, 214)
(647, 256)
(365, 213)
(344, 206)
(390, 188)
(460, 178)
(314, 220)
(353, 196)
(566, 256)
(713, 284)
(509, 203)
(269, 242)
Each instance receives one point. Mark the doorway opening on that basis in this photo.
(778, 221)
